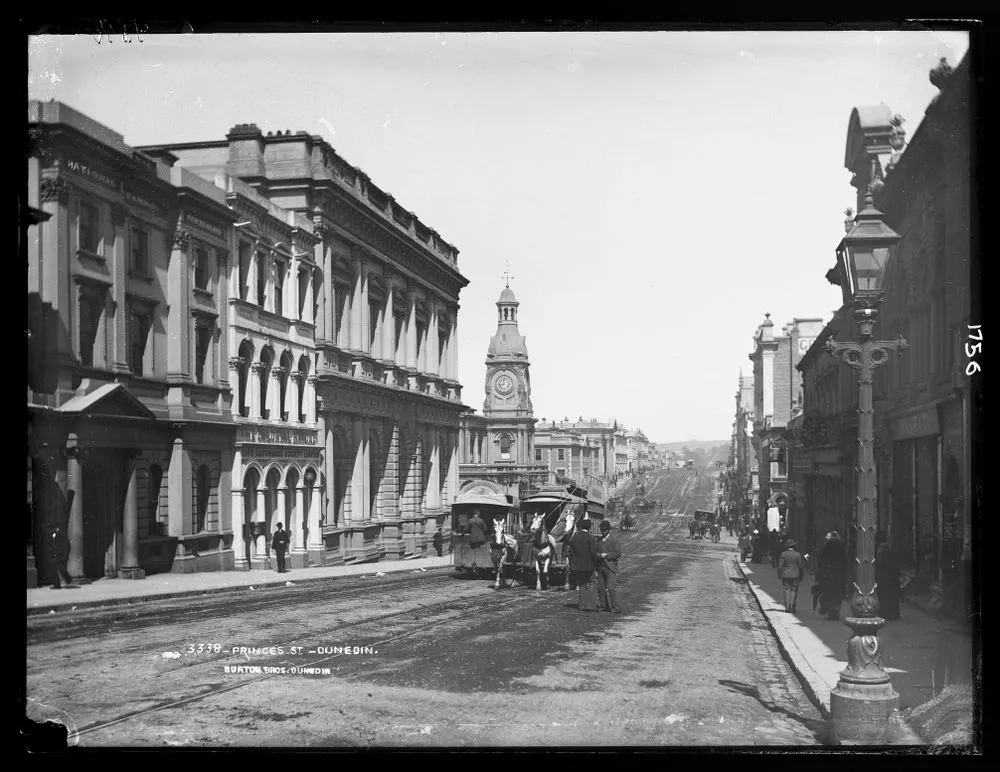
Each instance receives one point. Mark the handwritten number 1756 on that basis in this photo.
(972, 350)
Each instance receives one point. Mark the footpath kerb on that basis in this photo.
(115, 592)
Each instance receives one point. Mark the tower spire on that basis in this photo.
(507, 276)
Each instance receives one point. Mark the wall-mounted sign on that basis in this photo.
(919, 424)
(88, 172)
(275, 435)
(204, 225)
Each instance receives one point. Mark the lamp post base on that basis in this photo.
(864, 713)
(863, 703)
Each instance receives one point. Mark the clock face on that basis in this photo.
(805, 343)
(504, 384)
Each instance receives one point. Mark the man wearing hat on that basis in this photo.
(583, 561)
(791, 569)
(610, 550)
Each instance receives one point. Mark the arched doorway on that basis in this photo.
(251, 480)
(294, 507)
(272, 512)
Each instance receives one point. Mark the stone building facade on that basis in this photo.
(130, 430)
(385, 367)
(777, 399)
(223, 335)
(742, 484)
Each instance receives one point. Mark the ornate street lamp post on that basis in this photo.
(864, 700)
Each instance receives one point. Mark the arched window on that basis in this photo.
(266, 358)
(246, 356)
(303, 374)
(286, 369)
(153, 524)
(245, 257)
(261, 278)
(505, 443)
(202, 490)
(279, 286)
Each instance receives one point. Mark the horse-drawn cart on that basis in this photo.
(551, 516)
(499, 512)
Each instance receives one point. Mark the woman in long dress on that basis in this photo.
(831, 575)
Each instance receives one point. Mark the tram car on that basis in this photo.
(548, 509)
(489, 499)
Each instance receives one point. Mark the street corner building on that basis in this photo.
(225, 335)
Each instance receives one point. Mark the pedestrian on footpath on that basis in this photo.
(607, 571)
(886, 577)
(583, 561)
(791, 569)
(279, 543)
(438, 542)
(831, 575)
(756, 547)
(59, 549)
(774, 547)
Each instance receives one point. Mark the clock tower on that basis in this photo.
(507, 407)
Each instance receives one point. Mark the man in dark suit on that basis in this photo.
(59, 549)
(610, 551)
(583, 561)
(280, 543)
(791, 569)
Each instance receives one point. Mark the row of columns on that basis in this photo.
(298, 290)
(296, 382)
(353, 329)
(473, 446)
(70, 482)
(432, 496)
(307, 501)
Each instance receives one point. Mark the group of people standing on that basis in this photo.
(834, 581)
(590, 558)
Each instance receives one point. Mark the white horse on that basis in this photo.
(563, 532)
(545, 549)
(502, 543)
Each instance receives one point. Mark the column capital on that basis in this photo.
(360, 256)
(320, 228)
(55, 189)
(181, 240)
(234, 363)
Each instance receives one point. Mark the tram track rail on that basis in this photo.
(414, 619)
(465, 608)
(103, 623)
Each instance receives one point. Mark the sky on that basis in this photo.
(654, 193)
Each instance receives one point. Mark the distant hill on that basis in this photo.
(702, 445)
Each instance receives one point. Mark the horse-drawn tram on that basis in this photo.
(551, 515)
(486, 545)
